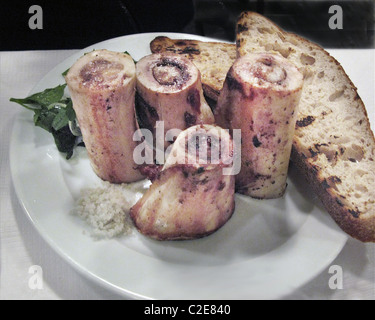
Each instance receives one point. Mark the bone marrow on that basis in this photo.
(170, 85)
(260, 96)
(266, 69)
(102, 88)
(100, 72)
(170, 72)
(189, 198)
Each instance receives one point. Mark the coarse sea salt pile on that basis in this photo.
(106, 210)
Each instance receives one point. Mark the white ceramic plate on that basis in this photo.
(268, 248)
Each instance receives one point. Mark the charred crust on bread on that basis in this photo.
(355, 213)
(333, 180)
(313, 153)
(325, 184)
(181, 43)
(332, 204)
(242, 27)
(189, 50)
(338, 201)
(306, 121)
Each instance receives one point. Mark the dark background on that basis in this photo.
(76, 24)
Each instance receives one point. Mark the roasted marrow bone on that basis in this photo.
(169, 89)
(260, 96)
(192, 196)
(102, 87)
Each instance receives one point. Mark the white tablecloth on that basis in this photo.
(22, 247)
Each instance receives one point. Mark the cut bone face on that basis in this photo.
(170, 72)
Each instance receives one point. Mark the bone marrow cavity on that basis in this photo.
(100, 71)
(266, 69)
(170, 73)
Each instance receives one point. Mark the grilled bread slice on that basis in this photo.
(333, 144)
(213, 59)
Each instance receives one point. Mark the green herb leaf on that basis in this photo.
(44, 118)
(70, 113)
(26, 103)
(65, 72)
(42, 99)
(52, 113)
(126, 52)
(65, 141)
(60, 120)
(48, 96)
